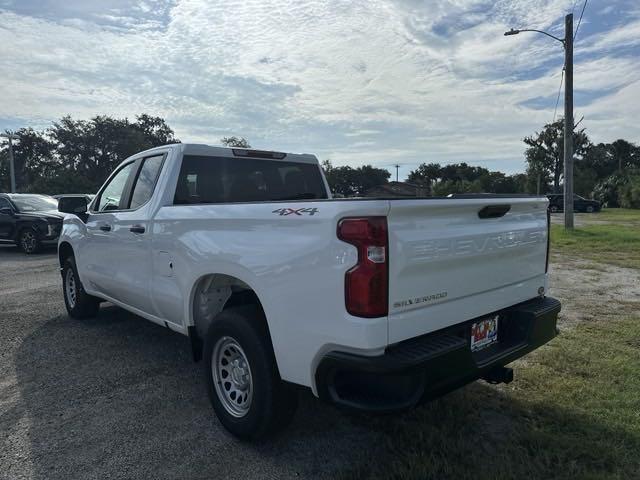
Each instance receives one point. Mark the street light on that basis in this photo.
(567, 42)
(12, 171)
(514, 31)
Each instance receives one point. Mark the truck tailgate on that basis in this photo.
(448, 265)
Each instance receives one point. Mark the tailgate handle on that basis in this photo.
(494, 211)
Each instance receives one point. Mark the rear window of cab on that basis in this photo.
(206, 179)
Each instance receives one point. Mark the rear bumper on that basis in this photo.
(431, 365)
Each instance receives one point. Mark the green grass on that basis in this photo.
(573, 412)
(616, 244)
(623, 216)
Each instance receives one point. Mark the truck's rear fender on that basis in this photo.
(210, 295)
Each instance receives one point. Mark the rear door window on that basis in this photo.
(146, 181)
(205, 179)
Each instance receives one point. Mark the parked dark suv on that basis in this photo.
(30, 221)
(580, 204)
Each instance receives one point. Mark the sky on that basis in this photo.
(378, 82)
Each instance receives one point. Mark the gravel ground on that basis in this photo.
(120, 397)
(579, 219)
(592, 291)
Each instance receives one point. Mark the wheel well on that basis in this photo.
(21, 229)
(65, 250)
(212, 294)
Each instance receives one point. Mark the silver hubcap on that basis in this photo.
(232, 376)
(70, 287)
(28, 241)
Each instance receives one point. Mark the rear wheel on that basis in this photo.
(553, 209)
(28, 241)
(244, 385)
(78, 302)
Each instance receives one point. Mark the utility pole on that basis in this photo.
(397, 167)
(12, 170)
(567, 43)
(568, 122)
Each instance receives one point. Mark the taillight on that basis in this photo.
(546, 265)
(365, 285)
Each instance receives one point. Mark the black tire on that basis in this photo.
(272, 402)
(554, 209)
(83, 305)
(28, 241)
(589, 209)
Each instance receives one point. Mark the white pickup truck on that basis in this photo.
(374, 304)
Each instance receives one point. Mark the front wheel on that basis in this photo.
(78, 302)
(28, 241)
(246, 392)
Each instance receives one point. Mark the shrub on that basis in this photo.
(607, 190)
(629, 195)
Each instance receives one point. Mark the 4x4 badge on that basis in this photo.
(295, 211)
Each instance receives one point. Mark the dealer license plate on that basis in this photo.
(484, 333)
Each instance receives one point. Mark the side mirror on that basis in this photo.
(75, 205)
(6, 211)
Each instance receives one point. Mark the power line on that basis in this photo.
(580, 20)
(555, 110)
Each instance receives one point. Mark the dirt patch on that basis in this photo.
(593, 291)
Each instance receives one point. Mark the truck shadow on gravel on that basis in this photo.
(119, 397)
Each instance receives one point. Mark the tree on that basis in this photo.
(426, 174)
(607, 190)
(629, 194)
(462, 172)
(545, 154)
(446, 187)
(350, 181)
(94, 148)
(368, 177)
(465, 178)
(596, 165)
(519, 182)
(608, 158)
(33, 156)
(625, 155)
(154, 130)
(604, 170)
(78, 155)
(5, 182)
(238, 142)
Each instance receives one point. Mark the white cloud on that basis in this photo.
(376, 82)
